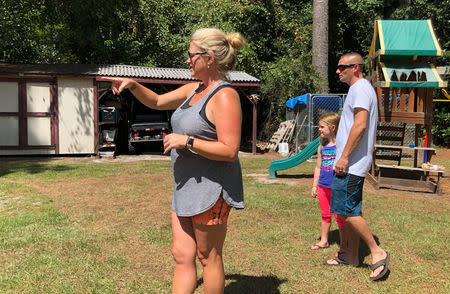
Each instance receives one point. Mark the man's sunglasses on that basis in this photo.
(196, 53)
(342, 67)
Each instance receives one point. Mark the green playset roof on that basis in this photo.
(404, 37)
(398, 44)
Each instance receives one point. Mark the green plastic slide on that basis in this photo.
(294, 160)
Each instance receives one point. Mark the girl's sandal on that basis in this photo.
(317, 247)
(339, 262)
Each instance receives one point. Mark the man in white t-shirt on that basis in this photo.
(354, 148)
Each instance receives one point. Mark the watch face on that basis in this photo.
(190, 141)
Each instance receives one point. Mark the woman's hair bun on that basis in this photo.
(222, 45)
(236, 40)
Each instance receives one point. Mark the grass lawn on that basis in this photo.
(103, 226)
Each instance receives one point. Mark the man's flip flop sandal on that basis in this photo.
(339, 261)
(383, 262)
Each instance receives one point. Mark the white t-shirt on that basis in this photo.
(360, 95)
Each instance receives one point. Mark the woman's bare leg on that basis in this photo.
(184, 251)
(210, 241)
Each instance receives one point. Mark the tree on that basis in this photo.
(320, 43)
(24, 32)
(279, 36)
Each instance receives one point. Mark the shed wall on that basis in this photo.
(9, 126)
(76, 115)
(35, 128)
(8, 96)
(9, 130)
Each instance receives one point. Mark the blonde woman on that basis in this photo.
(204, 150)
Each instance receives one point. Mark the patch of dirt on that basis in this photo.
(264, 179)
(441, 154)
(5, 202)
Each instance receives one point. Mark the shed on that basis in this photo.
(53, 108)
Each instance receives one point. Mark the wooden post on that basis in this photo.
(23, 120)
(255, 121)
(254, 101)
(394, 100)
(54, 119)
(411, 100)
(416, 143)
(386, 92)
(428, 109)
(96, 100)
(380, 97)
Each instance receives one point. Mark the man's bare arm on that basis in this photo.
(361, 116)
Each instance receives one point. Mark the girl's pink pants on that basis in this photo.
(324, 195)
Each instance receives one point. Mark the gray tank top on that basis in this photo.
(198, 181)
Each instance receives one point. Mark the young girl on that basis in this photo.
(323, 175)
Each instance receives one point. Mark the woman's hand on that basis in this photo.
(120, 84)
(314, 192)
(176, 141)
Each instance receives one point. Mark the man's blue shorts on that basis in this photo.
(346, 195)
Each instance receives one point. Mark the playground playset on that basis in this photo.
(401, 65)
(401, 61)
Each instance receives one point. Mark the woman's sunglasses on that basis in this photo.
(196, 53)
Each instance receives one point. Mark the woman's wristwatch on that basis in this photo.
(189, 142)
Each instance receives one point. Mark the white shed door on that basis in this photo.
(38, 110)
(76, 115)
(9, 120)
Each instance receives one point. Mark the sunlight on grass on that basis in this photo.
(159, 236)
(118, 240)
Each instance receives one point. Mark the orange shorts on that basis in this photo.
(216, 215)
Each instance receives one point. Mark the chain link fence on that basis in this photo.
(306, 116)
(410, 130)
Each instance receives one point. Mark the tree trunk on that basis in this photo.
(320, 43)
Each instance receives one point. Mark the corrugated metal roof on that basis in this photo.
(164, 73)
(50, 69)
(144, 72)
(131, 71)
